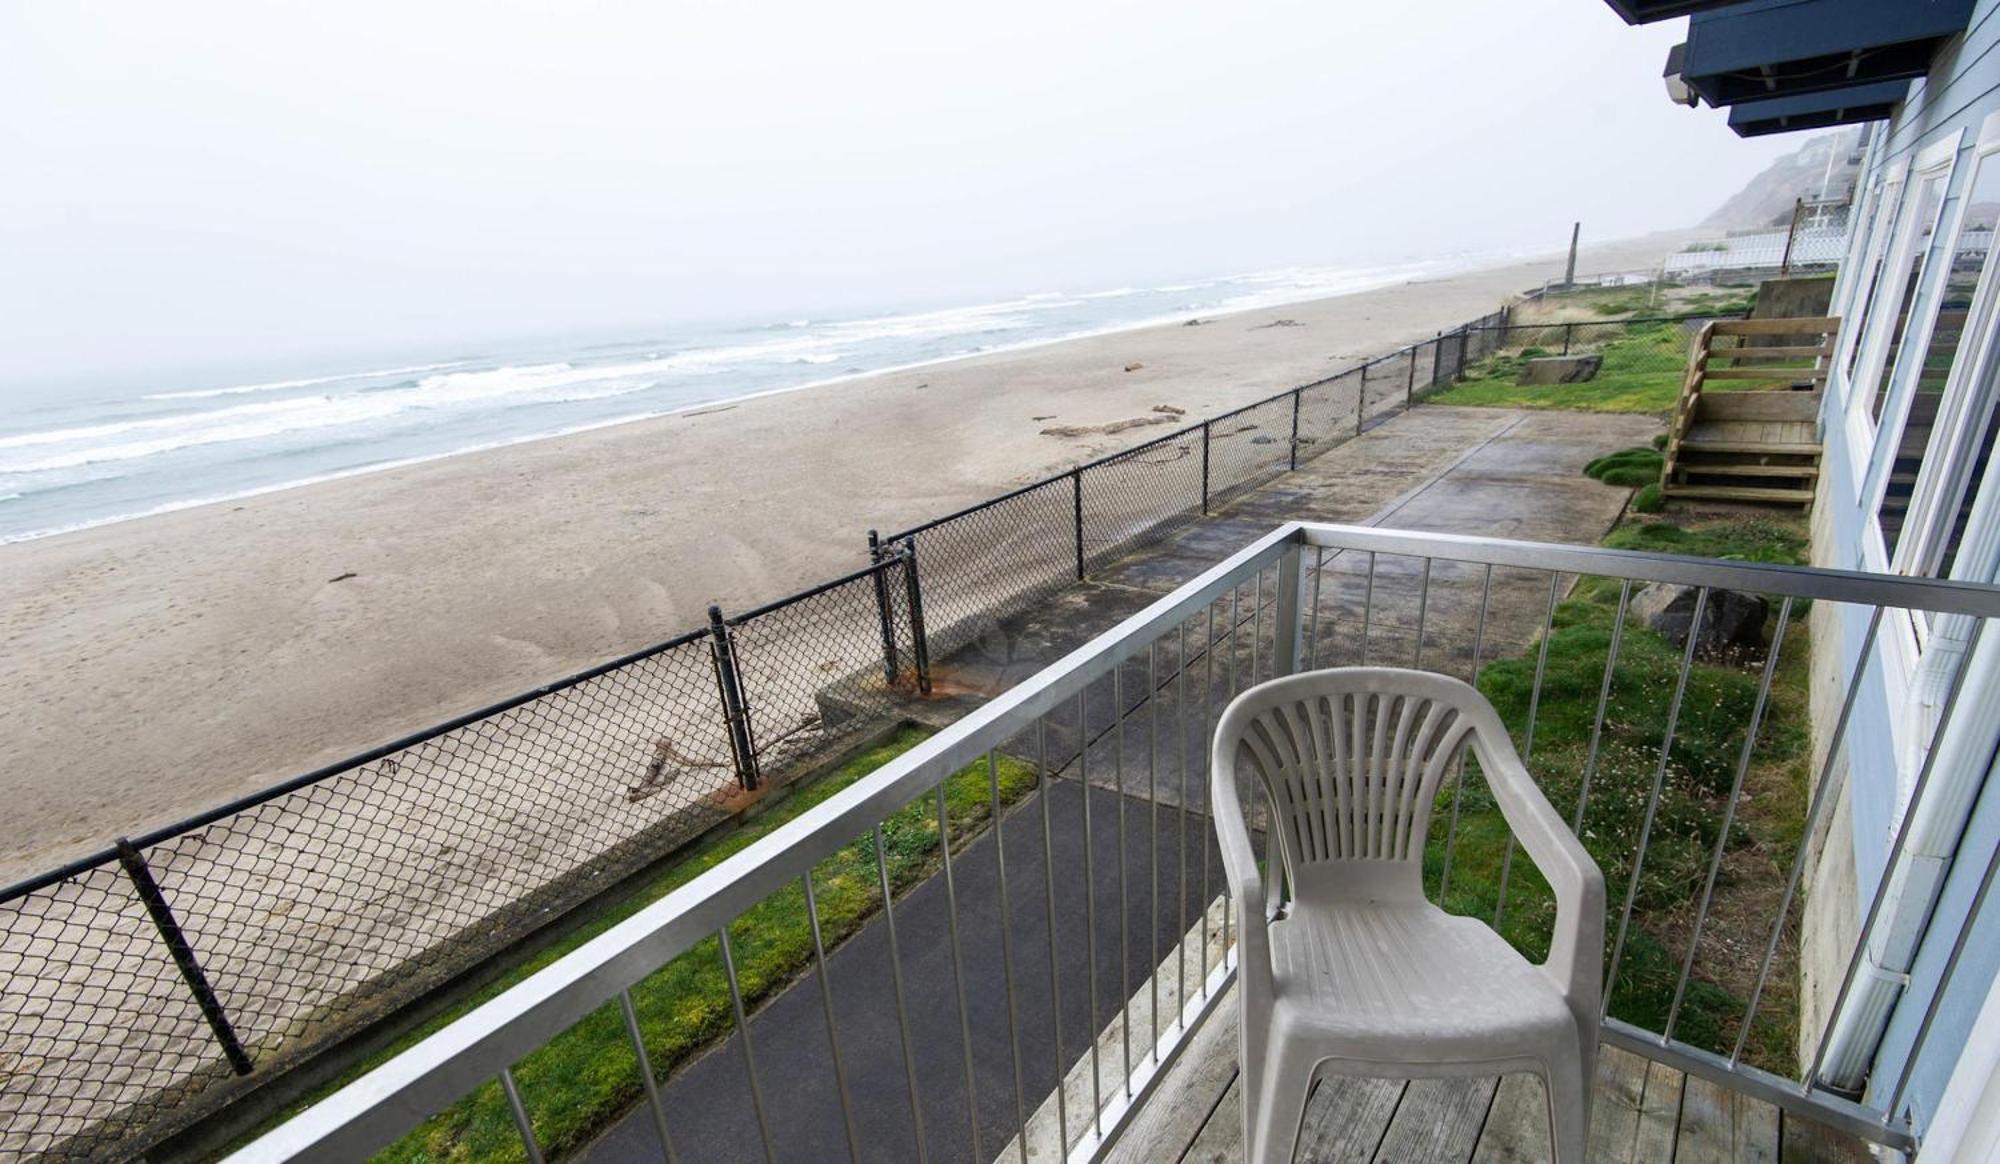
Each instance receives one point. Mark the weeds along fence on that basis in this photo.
(145, 986)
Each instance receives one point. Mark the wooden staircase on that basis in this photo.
(1745, 428)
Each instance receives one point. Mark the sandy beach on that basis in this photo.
(154, 667)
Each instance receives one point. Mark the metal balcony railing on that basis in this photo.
(1092, 907)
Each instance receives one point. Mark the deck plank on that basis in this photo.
(1191, 1095)
(1347, 1118)
(1720, 1126)
(1517, 1125)
(1805, 1140)
(1438, 1121)
(1659, 1113)
(1614, 1115)
(1221, 1138)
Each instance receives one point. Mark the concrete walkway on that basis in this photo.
(1478, 471)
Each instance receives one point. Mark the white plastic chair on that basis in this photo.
(1355, 969)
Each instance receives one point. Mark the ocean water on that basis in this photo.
(74, 459)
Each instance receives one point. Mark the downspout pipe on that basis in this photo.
(1965, 755)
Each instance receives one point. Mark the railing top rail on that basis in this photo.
(398, 1095)
(1932, 594)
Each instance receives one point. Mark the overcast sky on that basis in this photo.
(193, 181)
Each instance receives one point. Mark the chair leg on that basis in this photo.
(1567, 1085)
(1281, 1106)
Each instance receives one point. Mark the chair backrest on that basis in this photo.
(1350, 761)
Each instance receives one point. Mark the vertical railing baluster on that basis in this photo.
(1528, 743)
(1821, 789)
(1089, 903)
(1423, 613)
(958, 970)
(832, 1028)
(1124, 898)
(1207, 809)
(1603, 706)
(896, 983)
(522, 1125)
(1312, 631)
(1368, 609)
(654, 1104)
(995, 811)
(1770, 670)
(1046, 777)
(743, 1036)
(1153, 799)
(1653, 798)
(1180, 730)
(1458, 785)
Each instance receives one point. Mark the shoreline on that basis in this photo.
(1480, 264)
(157, 666)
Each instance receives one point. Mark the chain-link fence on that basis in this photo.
(137, 985)
(134, 985)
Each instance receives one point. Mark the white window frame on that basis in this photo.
(1886, 206)
(1937, 162)
(1880, 324)
(1868, 234)
(1969, 394)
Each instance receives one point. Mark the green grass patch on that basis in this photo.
(1627, 468)
(1642, 371)
(584, 1078)
(1694, 786)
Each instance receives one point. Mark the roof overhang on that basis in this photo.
(1762, 50)
(1648, 11)
(1850, 106)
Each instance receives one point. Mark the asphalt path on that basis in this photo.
(709, 1105)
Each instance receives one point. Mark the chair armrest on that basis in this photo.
(1576, 949)
(1239, 866)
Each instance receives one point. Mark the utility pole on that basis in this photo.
(1569, 276)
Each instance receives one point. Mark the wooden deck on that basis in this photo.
(1643, 1112)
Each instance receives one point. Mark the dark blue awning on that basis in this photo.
(1850, 106)
(1767, 49)
(1648, 11)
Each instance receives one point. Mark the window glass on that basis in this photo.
(1882, 227)
(1931, 368)
(1929, 197)
(1968, 260)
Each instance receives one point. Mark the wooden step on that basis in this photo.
(1775, 448)
(1740, 469)
(1756, 406)
(1740, 493)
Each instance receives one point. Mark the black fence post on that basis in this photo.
(141, 875)
(1437, 356)
(1076, 510)
(1204, 467)
(1569, 329)
(1361, 401)
(883, 611)
(1410, 383)
(1297, 394)
(734, 708)
(1464, 337)
(920, 646)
